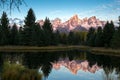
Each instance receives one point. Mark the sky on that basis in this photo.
(64, 9)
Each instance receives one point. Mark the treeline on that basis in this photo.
(32, 34)
(109, 36)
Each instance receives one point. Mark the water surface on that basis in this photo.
(67, 65)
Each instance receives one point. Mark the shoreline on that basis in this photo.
(40, 49)
(94, 50)
(105, 51)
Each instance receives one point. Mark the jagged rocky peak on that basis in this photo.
(75, 17)
(93, 17)
(85, 19)
(56, 21)
(41, 22)
(75, 23)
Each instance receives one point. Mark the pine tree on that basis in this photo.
(91, 37)
(115, 42)
(56, 38)
(48, 32)
(4, 40)
(21, 36)
(47, 27)
(99, 38)
(77, 38)
(14, 35)
(29, 23)
(0, 32)
(39, 32)
(36, 35)
(112, 28)
(108, 32)
(71, 38)
(30, 19)
(64, 38)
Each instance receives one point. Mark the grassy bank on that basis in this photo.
(40, 49)
(13, 71)
(95, 50)
(105, 51)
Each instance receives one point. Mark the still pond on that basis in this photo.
(63, 65)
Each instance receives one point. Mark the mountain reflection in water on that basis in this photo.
(80, 67)
(71, 65)
(75, 65)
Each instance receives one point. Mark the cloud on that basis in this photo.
(104, 6)
(98, 9)
(118, 1)
(118, 9)
(109, 11)
(105, 11)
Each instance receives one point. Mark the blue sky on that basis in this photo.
(64, 9)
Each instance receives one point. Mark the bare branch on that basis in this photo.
(11, 4)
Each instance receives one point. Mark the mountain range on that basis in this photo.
(73, 24)
(18, 22)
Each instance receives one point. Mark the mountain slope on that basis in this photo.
(75, 23)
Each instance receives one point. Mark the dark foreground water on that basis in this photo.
(68, 65)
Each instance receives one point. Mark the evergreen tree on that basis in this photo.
(40, 32)
(21, 36)
(112, 28)
(30, 19)
(99, 38)
(108, 32)
(63, 38)
(0, 32)
(48, 32)
(47, 27)
(77, 38)
(29, 23)
(56, 38)
(90, 37)
(83, 37)
(4, 40)
(115, 42)
(71, 38)
(80, 37)
(14, 35)
(36, 35)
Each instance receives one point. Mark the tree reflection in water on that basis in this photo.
(72, 60)
(110, 64)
